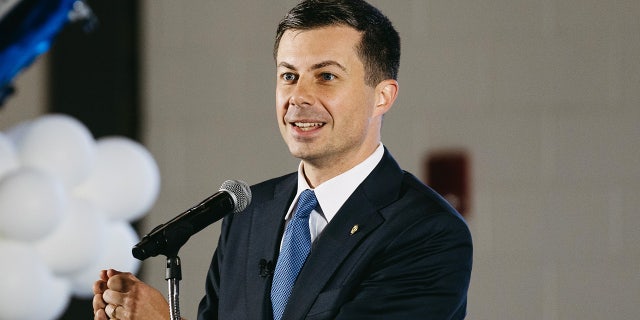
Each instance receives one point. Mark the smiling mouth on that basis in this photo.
(306, 126)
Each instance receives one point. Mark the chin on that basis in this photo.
(302, 153)
(298, 154)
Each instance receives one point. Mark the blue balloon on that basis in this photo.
(26, 32)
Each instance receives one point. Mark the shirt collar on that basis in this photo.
(333, 193)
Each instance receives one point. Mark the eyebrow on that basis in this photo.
(316, 66)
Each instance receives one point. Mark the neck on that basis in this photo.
(317, 172)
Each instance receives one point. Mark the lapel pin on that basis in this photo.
(354, 229)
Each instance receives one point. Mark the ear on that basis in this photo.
(386, 93)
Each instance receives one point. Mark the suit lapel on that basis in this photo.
(329, 251)
(264, 241)
(338, 241)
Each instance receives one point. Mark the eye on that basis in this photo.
(327, 76)
(288, 76)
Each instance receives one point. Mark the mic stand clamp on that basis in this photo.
(173, 276)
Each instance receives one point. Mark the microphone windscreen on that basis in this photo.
(240, 192)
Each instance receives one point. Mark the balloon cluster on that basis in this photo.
(66, 203)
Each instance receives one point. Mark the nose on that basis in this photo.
(302, 94)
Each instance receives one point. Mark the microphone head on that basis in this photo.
(240, 192)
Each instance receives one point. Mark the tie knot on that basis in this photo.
(306, 203)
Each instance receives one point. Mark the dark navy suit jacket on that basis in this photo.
(410, 257)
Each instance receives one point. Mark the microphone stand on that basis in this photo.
(173, 276)
(168, 238)
(173, 241)
(173, 273)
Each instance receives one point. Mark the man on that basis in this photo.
(378, 244)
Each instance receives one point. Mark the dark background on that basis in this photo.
(93, 76)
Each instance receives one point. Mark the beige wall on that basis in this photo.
(210, 113)
(30, 98)
(544, 94)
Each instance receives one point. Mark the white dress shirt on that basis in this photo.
(333, 193)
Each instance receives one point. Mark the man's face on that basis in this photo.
(326, 113)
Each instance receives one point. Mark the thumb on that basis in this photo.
(121, 281)
(113, 272)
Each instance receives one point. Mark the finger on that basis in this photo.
(98, 303)
(113, 297)
(103, 275)
(100, 315)
(112, 311)
(99, 286)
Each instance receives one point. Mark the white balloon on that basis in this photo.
(32, 203)
(116, 254)
(59, 145)
(74, 244)
(16, 132)
(8, 156)
(57, 299)
(125, 180)
(28, 291)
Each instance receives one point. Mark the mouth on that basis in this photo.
(307, 126)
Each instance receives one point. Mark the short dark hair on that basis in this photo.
(379, 48)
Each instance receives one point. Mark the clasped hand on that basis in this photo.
(122, 296)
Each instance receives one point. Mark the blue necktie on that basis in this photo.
(295, 248)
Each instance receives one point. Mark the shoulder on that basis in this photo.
(423, 211)
(403, 199)
(413, 193)
(414, 188)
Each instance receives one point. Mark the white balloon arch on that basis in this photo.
(62, 195)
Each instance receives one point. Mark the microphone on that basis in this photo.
(168, 238)
(266, 268)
